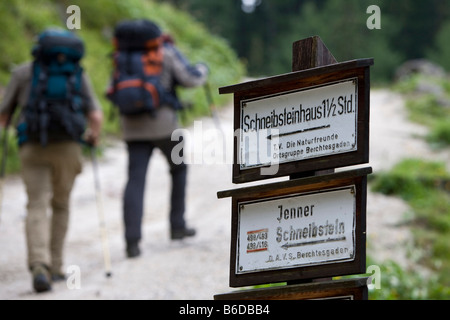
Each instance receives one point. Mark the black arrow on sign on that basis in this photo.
(298, 131)
(301, 244)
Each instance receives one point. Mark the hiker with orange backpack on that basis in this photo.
(147, 68)
(56, 104)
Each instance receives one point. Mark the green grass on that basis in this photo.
(439, 135)
(12, 162)
(396, 283)
(429, 109)
(425, 186)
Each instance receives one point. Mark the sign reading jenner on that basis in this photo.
(295, 231)
(308, 123)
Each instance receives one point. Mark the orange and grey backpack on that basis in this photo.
(138, 60)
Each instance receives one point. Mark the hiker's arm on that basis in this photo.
(10, 99)
(186, 74)
(95, 121)
(94, 113)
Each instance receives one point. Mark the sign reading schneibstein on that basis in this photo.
(296, 231)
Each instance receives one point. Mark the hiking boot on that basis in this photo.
(41, 278)
(133, 250)
(178, 234)
(58, 276)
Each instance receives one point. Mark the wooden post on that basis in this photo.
(307, 54)
(310, 53)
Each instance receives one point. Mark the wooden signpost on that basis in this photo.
(304, 125)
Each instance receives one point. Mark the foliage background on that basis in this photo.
(263, 37)
(257, 42)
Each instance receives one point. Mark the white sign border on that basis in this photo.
(352, 189)
(243, 166)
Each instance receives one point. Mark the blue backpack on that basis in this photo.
(55, 110)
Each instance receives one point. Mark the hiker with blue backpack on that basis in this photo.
(57, 110)
(147, 69)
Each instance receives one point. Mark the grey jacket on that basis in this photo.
(176, 71)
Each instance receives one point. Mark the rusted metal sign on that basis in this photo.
(306, 228)
(301, 230)
(304, 124)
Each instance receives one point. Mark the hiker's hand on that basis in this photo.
(203, 68)
(92, 134)
(168, 39)
(4, 120)
(91, 137)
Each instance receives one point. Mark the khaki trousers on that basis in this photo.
(49, 174)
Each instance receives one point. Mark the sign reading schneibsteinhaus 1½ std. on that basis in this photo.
(304, 124)
(303, 121)
(296, 231)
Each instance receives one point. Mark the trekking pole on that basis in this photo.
(101, 215)
(3, 165)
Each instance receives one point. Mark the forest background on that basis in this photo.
(237, 37)
(262, 31)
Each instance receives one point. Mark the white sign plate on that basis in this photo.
(291, 126)
(296, 231)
